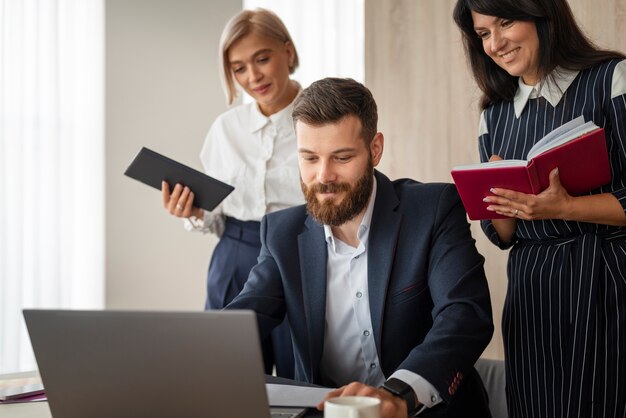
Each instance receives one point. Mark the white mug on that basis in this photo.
(352, 407)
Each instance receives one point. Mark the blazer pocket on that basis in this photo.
(409, 293)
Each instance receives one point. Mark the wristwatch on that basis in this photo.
(398, 388)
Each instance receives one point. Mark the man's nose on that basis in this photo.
(326, 173)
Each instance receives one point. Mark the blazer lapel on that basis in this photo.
(381, 250)
(313, 259)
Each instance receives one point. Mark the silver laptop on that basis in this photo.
(103, 364)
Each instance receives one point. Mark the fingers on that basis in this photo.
(188, 207)
(359, 389)
(555, 180)
(180, 202)
(332, 394)
(165, 192)
(509, 203)
(352, 389)
(390, 406)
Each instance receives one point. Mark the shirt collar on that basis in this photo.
(365, 222)
(551, 88)
(258, 120)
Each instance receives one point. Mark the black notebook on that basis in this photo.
(152, 168)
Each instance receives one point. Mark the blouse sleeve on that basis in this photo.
(617, 119)
(213, 221)
(485, 150)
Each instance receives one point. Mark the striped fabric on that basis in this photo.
(564, 320)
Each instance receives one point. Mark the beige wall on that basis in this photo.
(162, 92)
(415, 66)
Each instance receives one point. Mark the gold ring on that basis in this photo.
(179, 207)
(516, 212)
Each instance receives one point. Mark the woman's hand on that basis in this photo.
(390, 406)
(180, 202)
(552, 203)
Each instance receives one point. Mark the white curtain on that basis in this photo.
(51, 163)
(328, 34)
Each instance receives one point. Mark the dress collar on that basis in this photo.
(551, 88)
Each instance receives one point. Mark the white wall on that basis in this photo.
(162, 92)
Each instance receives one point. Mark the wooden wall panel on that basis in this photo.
(428, 102)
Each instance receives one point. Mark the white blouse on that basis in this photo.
(257, 155)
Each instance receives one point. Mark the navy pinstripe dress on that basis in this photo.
(564, 320)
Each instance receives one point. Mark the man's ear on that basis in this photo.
(376, 148)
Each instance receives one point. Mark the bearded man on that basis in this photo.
(381, 282)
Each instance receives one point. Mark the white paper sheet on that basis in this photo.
(288, 395)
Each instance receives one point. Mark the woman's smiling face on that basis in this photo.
(512, 44)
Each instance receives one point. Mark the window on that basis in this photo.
(329, 36)
(51, 164)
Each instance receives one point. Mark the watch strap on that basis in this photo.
(403, 390)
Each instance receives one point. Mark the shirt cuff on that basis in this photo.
(211, 222)
(426, 393)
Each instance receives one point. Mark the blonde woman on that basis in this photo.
(253, 148)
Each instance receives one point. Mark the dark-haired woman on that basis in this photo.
(564, 321)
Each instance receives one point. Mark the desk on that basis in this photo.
(40, 409)
(37, 409)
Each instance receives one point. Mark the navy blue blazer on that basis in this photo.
(429, 300)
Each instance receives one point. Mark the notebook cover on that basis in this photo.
(152, 168)
(583, 166)
(473, 186)
(583, 163)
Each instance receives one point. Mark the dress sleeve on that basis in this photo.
(485, 149)
(617, 118)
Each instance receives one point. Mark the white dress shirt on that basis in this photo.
(349, 347)
(256, 154)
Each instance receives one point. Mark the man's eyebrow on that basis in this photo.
(337, 151)
(342, 150)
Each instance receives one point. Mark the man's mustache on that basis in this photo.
(329, 188)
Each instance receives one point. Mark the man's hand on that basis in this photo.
(390, 406)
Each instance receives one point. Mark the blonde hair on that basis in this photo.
(261, 21)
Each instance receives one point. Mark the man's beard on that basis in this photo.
(326, 211)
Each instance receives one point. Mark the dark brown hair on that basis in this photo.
(561, 42)
(331, 99)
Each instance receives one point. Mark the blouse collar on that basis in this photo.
(552, 88)
(258, 120)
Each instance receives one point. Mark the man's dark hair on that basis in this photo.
(329, 100)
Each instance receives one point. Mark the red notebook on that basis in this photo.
(577, 149)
